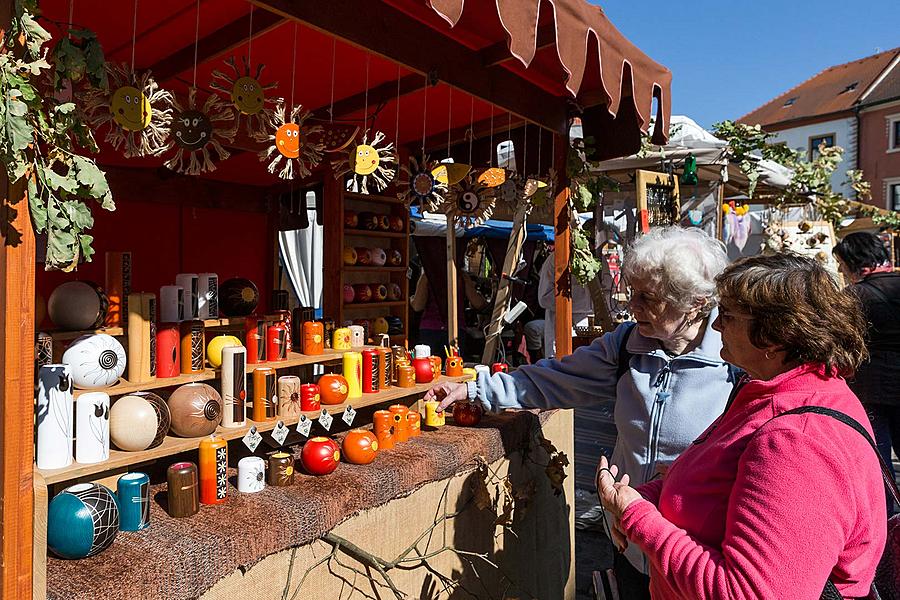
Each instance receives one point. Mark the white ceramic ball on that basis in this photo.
(133, 423)
(96, 361)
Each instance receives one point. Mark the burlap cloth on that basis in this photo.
(183, 558)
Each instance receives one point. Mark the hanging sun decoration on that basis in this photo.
(450, 173)
(368, 163)
(470, 204)
(291, 143)
(195, 132)
(420, 184)
(512, 190)
(492, 177)
(247, 93)
(136, 109)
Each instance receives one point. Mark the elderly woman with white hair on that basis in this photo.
(664, 371)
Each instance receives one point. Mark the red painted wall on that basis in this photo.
(166, 239)
(876, 162)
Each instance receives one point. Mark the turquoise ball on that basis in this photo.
(82, 521)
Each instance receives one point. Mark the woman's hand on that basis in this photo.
(615, 496)
(447, 394)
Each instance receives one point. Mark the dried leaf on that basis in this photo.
(482, 495)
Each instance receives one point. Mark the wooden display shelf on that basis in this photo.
(374, 304)
(119, 459)
(71, 335)
(374, 234)
(373, 269)
(293, 360)
(224, 322)
(374, 198)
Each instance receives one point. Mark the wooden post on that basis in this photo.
(452, 304)
(562, 245)
(513, 250)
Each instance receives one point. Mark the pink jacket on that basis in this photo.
(756, 510)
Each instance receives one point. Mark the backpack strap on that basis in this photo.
(624, 355)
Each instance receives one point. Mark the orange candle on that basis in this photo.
(213, 467)
(414, 423)
(399, 421)
(313, 338)
(265, 398)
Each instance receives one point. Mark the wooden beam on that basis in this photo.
(436, 143)
(562, 248)
(394, 35)
(220, 42)
(378, 94)
(497, 54)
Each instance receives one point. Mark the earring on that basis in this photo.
(769, 357)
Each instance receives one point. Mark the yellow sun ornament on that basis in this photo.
(470, 203)
(136, 110)
(450, 173)
(290, 143)
(196, 132)
(419, 183)
(247, 93)
(368, 164)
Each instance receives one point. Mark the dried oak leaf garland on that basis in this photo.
(136, 110)
(197, 133)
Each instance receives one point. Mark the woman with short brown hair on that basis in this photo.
(758, 506)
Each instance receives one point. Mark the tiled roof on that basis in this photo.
(833, 90)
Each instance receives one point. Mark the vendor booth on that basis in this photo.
(207, 387)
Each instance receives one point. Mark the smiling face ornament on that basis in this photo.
(130, 108)
(199, 132)
(242, 84)
(247, 95)
(291, 147)
(368, 163)
(287, 139)
(192, 130)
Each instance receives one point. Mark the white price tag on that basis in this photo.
(280, 433)
(304, 426)
(349, 415)
(252, 439)
(325, 420)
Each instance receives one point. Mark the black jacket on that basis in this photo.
(878, 380)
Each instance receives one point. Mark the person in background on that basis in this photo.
(864, 261)
(758, 506)
(582, 307)
(663, 372)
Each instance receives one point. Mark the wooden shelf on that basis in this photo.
(374, 198)
(224, 322)
(374, 304)
(71, 335)
(369, 269)
(374, 234)
(119, 459)
(294, 359)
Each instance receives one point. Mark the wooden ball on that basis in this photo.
(196, 410)
(138, 421)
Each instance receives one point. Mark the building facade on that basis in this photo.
(879, 127)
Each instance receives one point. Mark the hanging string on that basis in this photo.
(540, 133)
(525, 150)
(471, 127)
(134, 35)
(493, 150)
(333, 58)
(424, 114)
(71, 17)
(293, 66)
(449, 119)
(250, 37)
(196, 42)
(397, 117)
(366, 103)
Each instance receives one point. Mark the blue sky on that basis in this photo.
(730, 56)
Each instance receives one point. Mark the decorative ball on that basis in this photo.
(78, 305)
(349, 294)
(351, 219)
(238, 297)
(82, 521)
(395, 292)
(368, 221)
(395, 325)
(362, 293)
(215, 346)
(139, 421)
(333, 389)
(360, 447)
(379, 292)
(196, 410)
(320, 456)
(379, 257)
(363, 256)
(380, 325)
(96, 360)
(396, 223)
(349, 256)
(394, 258)
(384, 223)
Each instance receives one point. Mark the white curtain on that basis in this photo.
(301, 255)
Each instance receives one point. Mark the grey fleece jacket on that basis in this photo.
(662, 402)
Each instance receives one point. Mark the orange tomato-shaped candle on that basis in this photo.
(360, 447)
(313, 338)
(333, 389)
(320, 456)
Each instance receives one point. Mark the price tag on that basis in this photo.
(280, 433)
(252, 439)
(304, 426)
(349, 415)
(325, 420)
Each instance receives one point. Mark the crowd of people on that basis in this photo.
(732, 475)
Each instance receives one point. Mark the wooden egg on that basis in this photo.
(349, 256)
(394, 258)
(77, 305)
(379, 257)
(351, 219)
(362, 293)
(238, 297)
(138, 421)
(196, 410)
(349, 294)
(396, 223)
(363, 256)
(395, 292)
(384, 223)
(379, 292)
(379, 325)
(368, 220)
(215, 346)
(96, 361)
(333, 389)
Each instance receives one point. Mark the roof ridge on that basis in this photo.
(894, 50)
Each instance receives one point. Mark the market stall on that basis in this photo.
(219, 125)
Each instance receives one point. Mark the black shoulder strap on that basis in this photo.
(853, 423)
(624, 354)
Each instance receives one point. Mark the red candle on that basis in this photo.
(370, 376)
(309, 397)
(500, 368)
(255, 340)
(276, 342)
